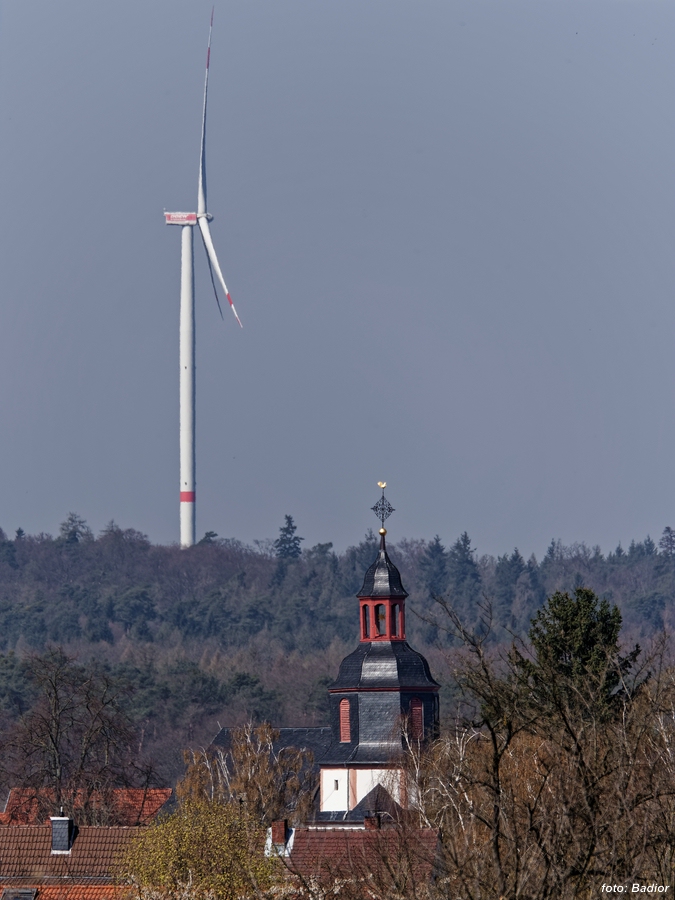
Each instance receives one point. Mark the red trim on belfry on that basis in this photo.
(187, 496)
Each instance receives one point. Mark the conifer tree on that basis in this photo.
(667, 542)
(507, 572)
(463, 576)
(576, 664)
(287, 545)
(434, 568)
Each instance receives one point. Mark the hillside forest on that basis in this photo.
(224, 633)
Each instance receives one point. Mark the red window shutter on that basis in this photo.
(345, 730)
(416, 719)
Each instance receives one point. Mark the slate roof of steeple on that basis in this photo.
(382, 579)
(384, 664)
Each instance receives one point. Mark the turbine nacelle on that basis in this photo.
(184, 218)
(180, 218)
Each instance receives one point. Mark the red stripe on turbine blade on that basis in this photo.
(208, 57)
(187, 496)
(234, 310)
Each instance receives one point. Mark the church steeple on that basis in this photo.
(383, 690)
(382, 599)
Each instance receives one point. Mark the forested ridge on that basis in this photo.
(223, 632)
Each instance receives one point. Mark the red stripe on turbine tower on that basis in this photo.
(187, 496)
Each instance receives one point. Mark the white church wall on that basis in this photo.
(334, 790)
(367, 779)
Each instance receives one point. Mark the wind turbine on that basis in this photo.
(187, 221)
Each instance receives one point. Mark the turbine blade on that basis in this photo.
(213, 259)
(201, 194)
(213, 282)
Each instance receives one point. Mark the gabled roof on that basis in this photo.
(377, 802)
(25, 853)
(383, 856)
(123, 806)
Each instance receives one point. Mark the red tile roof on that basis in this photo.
(127, 806)
(25, 853)
(69, 891)
(380, 855)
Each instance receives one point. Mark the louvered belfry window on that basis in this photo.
(394, 620)
(345, 729)
(380, 619)
(416, 719)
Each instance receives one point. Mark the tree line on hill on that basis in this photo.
(224, 632)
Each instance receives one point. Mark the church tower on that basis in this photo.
(383, 690)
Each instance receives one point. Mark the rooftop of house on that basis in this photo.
(120, 806)
(383, 856)
(314, 740)
(27, 860)
(60, 891)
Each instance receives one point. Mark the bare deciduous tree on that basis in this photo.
(75, 744)
(272, 783)
(550, 784)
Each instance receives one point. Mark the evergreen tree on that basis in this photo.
(507, 572)
(74, 530)
(577, 664)
(356, 561)
(463, 577)
(287, 545)
(434, 567)
(667, 542)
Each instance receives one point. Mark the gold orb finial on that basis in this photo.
(382, 484)
(383, 530)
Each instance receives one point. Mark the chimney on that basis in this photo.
(63, 832)
(372, 823)
(279, 832)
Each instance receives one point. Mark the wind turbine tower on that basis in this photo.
(187, 221)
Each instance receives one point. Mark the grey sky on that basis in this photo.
(447, 226)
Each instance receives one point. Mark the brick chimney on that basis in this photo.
(372, 823)
(279, 829)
